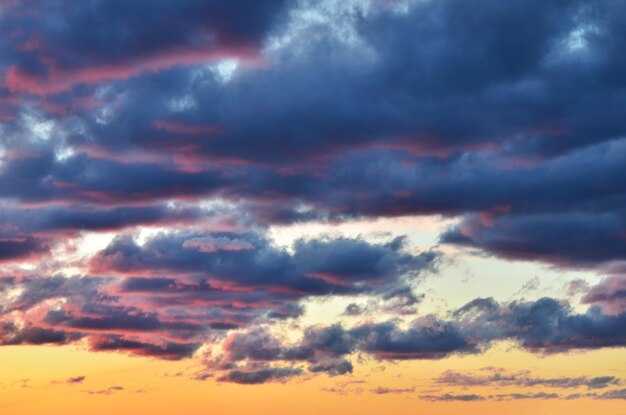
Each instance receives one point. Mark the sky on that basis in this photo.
(312, 206)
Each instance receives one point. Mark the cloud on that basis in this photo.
(139, 312)
(74, 380)
(452, 398)
(54, 219)
(254, 377)
(353, 309)
(20, 248)
(609, 294)
(143, 316)
(544, 237)
(614, 394)
(11, 335)
(385, 391)
(499, 377)
(316, 267)
(341, 367)
(545, 326)
(364, 124)
(108, 391)
(609, 395)
(106, 41)
(77, 379)
(163, 350)
(424, 340)
(526, 91)
(211, 121)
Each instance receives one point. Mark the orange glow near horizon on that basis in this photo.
(32, 382)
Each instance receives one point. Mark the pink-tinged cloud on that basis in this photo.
(6, 116)
(77, 104)
(60, 79)
(22, 248)
(30, 44)
(177, 127)
(160, 349)
(609, 294)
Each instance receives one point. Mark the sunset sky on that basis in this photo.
(303, 207)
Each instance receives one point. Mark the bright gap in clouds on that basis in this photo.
(422, 231)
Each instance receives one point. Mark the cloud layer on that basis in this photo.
(184, 131)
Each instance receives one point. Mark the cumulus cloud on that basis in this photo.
(545, 326)
(259, 376)
(378, 128)
(105, 41)
(316, 267)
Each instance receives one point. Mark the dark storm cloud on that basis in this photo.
(435, 95)
(12, 335)
(513, 114)
(88, 311)
(68, 309)
(100, 311)
(547, 237)
(224, 281)
(20, 247)
(321, 347)
(316, 267)
(51, 219)
(340, 367)
(516, 77)
(102, 317)
(257, 376)
(239, 305)
(483, 182)
(324, 346)
(530, 223)
(53, 45)
(350, 260)
(163, 350)
(424, 340)
(544, 326)
(39, 178)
